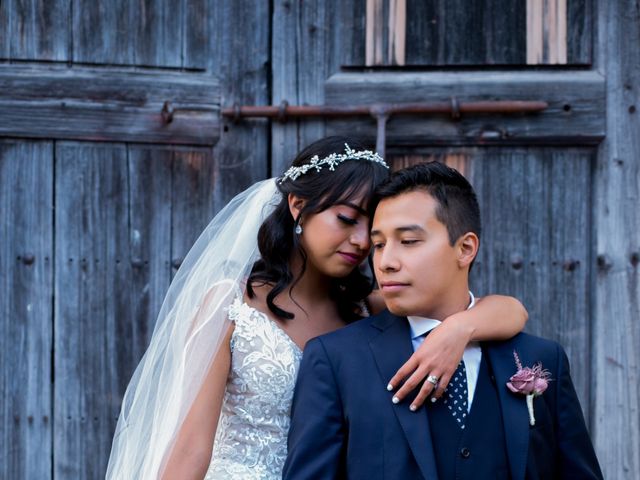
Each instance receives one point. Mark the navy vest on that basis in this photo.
(479, 451)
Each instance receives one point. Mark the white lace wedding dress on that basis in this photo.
(251, 440)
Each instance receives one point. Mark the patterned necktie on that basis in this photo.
(455, 395)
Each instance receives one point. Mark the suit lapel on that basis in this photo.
(514, 408)
(391, 348)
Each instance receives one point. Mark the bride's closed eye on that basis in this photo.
(347, 220)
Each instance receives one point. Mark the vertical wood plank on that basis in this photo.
(92, 307)
(546, 32)
(39, 29)
(146, 33)
(319, 51)
(351, 32)
(242, 60)
(299, 79)
(465, 33)
(616, 339)
(26, 283)
(195, 178)
(103, 32)
(196, 33)
(150, 173)
(424, 33)
(5, 29)
(375, 33)
(158, 27)
(397, 32)
(580, 37)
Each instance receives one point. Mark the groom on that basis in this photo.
(425, 236)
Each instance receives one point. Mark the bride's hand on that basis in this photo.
(439, 355)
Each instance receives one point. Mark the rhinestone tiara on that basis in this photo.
(332, 161)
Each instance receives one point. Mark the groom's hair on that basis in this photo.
(458, 207)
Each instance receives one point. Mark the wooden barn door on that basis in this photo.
(111, 163)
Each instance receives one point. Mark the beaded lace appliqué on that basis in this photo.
(251, 440)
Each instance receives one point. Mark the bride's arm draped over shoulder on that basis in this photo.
(191, 453)
(494, 317)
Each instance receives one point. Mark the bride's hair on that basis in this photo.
(320, 190)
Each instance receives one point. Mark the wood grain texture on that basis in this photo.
(119, 32)
(546, 32)
(196, 33)
(104, 105)
(462, 33)
(575, 114)
(301, 59)
(616, 339)
(5, 30)
(93, 280)
(26, 283)
(580, 31)
(535, 245)
(239, 46)
(195, 178)
(35, 30)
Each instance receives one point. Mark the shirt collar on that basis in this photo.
(422, 325)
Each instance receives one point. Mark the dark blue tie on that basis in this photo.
(455, 395)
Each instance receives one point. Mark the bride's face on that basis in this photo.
(336, 240)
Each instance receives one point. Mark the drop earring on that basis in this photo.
(298, 229)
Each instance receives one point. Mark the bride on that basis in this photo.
(276, 267)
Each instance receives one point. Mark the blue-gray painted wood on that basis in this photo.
(239, 45)
(35, 30)
(575, 116)
(196, 177)
(92, 305)
(120, 32)
(26, 283)
(108, 105)
(616, 282)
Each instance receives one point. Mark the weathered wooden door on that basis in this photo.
(555, 188)
(110, 166)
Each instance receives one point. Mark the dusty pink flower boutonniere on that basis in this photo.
(529, 381)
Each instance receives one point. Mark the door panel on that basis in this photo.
(26, 289)
(124, 214)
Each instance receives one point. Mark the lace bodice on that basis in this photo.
(251, 440)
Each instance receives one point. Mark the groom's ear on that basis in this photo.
(467, 249)
(295, 205)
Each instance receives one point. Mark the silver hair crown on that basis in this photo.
(332, 161)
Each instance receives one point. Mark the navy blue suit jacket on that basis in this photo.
(344, 424)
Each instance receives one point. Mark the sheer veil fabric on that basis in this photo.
(187, 335)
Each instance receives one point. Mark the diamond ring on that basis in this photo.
(432, 379)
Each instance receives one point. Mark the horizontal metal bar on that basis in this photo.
(453, 107)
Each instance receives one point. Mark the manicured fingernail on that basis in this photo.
(413, 408)
(395, 400)
(433, 399)
(389, 387)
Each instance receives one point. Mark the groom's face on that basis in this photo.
(414, 263)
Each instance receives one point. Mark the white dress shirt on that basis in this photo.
(472, 353)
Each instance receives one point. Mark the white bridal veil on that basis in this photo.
(187, 335)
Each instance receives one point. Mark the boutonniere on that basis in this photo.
(529, 381)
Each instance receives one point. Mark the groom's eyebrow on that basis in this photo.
(404, 228)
